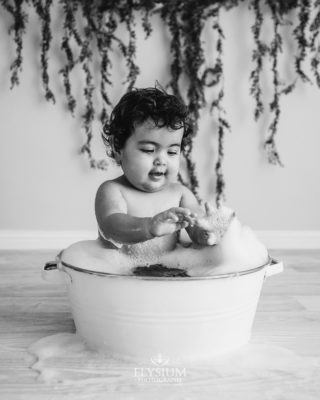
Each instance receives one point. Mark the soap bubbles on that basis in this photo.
(239, 249)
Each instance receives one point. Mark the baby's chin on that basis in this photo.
(150, 186)
(144, 186)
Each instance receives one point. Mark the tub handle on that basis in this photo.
(275, 267)
(51, 273)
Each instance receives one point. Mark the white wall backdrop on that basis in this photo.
(46, 186)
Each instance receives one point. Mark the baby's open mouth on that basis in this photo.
(156, 174)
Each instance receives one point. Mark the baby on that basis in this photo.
(141, 211)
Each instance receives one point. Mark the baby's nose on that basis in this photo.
(160, 160)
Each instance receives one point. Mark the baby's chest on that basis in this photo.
(149, 204)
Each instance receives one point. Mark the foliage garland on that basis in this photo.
(90, 36)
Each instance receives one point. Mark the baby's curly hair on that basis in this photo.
(140, 105)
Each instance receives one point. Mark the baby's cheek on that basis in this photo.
(174, 165)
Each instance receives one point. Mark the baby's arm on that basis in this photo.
(116, 224)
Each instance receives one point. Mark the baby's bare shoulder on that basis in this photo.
(106, 189)
(188, 199)
(109, 198)
(110, 186)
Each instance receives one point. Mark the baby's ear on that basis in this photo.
(116, 154)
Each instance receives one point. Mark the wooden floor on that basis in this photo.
(286, 340)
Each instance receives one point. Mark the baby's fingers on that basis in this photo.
(181, 221)
(182, 224)
(172, 216)
(184, 214)
(187, 219)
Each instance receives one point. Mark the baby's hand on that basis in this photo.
(170, 221)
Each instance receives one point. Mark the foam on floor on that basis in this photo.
(64, 359)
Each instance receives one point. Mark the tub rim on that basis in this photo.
(64, 265)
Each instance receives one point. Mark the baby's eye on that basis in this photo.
(147, 150)
(173, 153)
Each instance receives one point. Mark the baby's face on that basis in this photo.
(150, 159)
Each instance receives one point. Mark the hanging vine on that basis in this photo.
(69, 32)
(192, 17)
(301, 37)
(217, 79)
(274, 50)
(43, 11)
(258, 55)
(278, 10)
(90, 35)
(20, 19)
(314, 43)
(106, 30)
